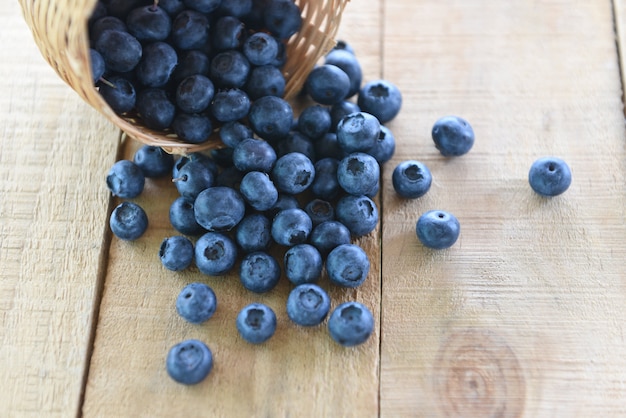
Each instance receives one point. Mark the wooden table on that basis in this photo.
(524, 316)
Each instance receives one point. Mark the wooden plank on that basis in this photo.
(525, 314)
(619, 20)
(54, 153)
(298, 372)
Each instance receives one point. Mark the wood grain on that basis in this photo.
(297, 372)
(54, 154)
(524, 316)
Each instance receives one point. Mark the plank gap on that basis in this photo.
(619, 35)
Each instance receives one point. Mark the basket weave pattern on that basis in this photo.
(59, 29)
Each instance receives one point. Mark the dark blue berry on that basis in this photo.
(260, 48)
(128, 221)
(190, 30)
(358, 132)
(308, 305)
(103, 24)
(196, 303)
(238, 8)
(153, 161)
(176, 253)
(359, 174)
(380, 98)
(125, 179)
(293, 173)
(325, 184)
(411, 179)
(285, 201)
(232, 133)
(266, 80)
(296, 142)
(253, 233)
(549, 176)
(319, 211)
(256, 323)
(347, 265)
(215, 254)
(314, 121)
(453, 136)
(193, 178)
(303, 264)
(351, 324)
(437, 229)
(258, 190)
(282, 18)
(229, 69)
(230, 176)
(149, 23)
(121, 51)
(291, 227)
(189, 362)
(348, 62)
(271, 118)
(385, 146)
(155, 108)
(228, 32)
(358, 213)
(157, 64)
(327, 84)
(195, 156)
(230, 105)
(194, 93)
(254, 155)
(328, 235)
(203, 6)
(340, 110)
(172, 7)
(119, 93)
(192, 128)
(219, 208)
(191, 63)
(327, 146)
(259, 272)
(97, 65)
(182, 217)
(343, 45)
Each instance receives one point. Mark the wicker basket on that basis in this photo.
(59, 28)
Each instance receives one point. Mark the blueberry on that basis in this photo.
(340, 110)
(253, 233)
(196, 303)
(193, 178)
(219, 208)
(192, 128)
(258, 190)
(308, 305)
(358, 132)
(358, 174)
(121, 51)
(314, 121)
(172, 7)
(149, 23)
(358, 213)
(190, 63)
(229, 69)
(271, 117)
(230, 105)
(215, 254)
(327, 146)
(411, 179)
(437, 229)
(343, 45)
(230, 177)
(155, 108)
(328, 235)
(190, 30)
(453, 136)
(182, 217)
(348, 62)
(385, 146)
(176, 253)
(260, 48)
(282, 18)
(259, 272)
(381, 98)
(254, 155)
(303, 264)
(266, 80)
(291, 227)
(203, 6)
(293, 173)
(238, 8)
(228, 32)
(327, 84)
(128, 221)
(207, 161)
(285, 201)
(232, 133)
(119, 94)
(97, 65)
(549, 176)
(256, 323)
(125, 179)
(153, 161)
(189, 362)
(351, 324)
(194, 93)
(325, 184)
(319, 211)
(156, 65)
(296, 142)
(347, 265)
(103, 24)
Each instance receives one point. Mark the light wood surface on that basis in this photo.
(524, 316)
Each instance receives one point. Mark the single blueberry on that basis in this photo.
(153, 161)
(303, 264)
(149, 23)
(96, 63)
(381, 98)
(256, 323)
(453, 136)
(254, 155)
(193, 178)
(195, 156)
(192, 128)
(351, 324)
(259, 272)
(128, 221)
(343, 45)
(327, 84)
(260, 48)
(349, 63)
(190, 63)
(228, 32)
(258, 190)
(156, 65)
(328, 235)
(203, 6)
(347, 265)
(358, 132)
(230, 177)
(291, 227)
(190, 30)
(103, 24)
(358, 213)
(549, 176)
(238, 8)
(182, 217)
(230, 105)
(125, 179)
(325, 184)
(411, 179)
(271, 117)
(119, 93)
(176, 253)
(196, 303)
(285, 201)
(194, 93)
(320, 211)
(232, 133)
(385, 146)
(215, 254)
(155, 108)
(358, 174)
(229, 69)
(293, 173)
(437, 229)
(172, 7)
(121, 51)
(253, 233)
(282, 18)
(266, 80)
(327, 146)
(340, 110)
(219, 208)
(314, 121)
(189, 362)
(308, 305)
